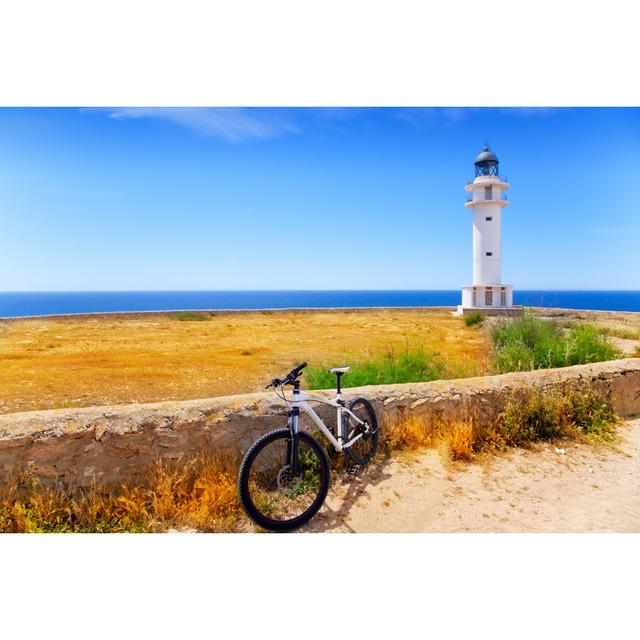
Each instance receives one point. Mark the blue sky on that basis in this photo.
(143, 198)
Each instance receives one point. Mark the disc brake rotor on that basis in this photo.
(285, 484)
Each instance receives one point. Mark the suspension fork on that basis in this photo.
(292, 443)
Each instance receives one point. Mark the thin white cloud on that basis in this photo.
(422, 115)
(531, 111)
(227, 123)
(236, 124)
(454, 115)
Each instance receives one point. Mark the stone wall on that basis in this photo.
(78, 447)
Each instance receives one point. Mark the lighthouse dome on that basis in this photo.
(486, 155)
(486, 163)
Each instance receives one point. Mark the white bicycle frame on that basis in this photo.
(300, 400)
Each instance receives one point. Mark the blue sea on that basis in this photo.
(51, 303)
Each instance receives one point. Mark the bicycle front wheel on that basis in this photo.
(271, 495)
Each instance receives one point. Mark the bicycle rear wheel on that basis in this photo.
(269, 493)
(363, 449)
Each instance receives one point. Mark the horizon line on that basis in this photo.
(25, 291)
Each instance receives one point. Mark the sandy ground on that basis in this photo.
(627, 346)
(539, 490)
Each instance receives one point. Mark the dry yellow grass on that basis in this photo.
(579, 412)
(199, 495)
(460, 441)
(411, 432)
(405, 432)
(71, 362)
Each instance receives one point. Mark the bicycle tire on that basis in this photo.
(245, 474)
(363, 450)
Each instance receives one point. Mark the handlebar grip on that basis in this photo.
(294, 373)
(290, 377)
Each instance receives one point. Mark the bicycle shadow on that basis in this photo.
(347, 489)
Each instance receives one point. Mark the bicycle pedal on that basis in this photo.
(352, 469)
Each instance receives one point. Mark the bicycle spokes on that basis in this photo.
(275, 490)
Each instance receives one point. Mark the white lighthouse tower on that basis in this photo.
(487, 200)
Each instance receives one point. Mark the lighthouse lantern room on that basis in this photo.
(487, 199)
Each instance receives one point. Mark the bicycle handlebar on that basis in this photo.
(294, 373)
(289, 378)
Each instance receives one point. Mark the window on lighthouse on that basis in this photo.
(488, 297)
(487, 193)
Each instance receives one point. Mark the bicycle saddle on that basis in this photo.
(344, 369)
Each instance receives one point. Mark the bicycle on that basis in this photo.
(284, 477)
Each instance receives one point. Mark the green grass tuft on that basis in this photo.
(530, 343)
(410, 365)
(579, 410)
(191, 316)
(475, 317)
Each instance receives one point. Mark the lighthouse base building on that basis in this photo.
(489, 299)
(487, 200)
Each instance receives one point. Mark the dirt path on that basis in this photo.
(541, 490)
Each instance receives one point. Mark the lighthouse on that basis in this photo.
(487, 200)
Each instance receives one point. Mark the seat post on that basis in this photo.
(338, 376)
